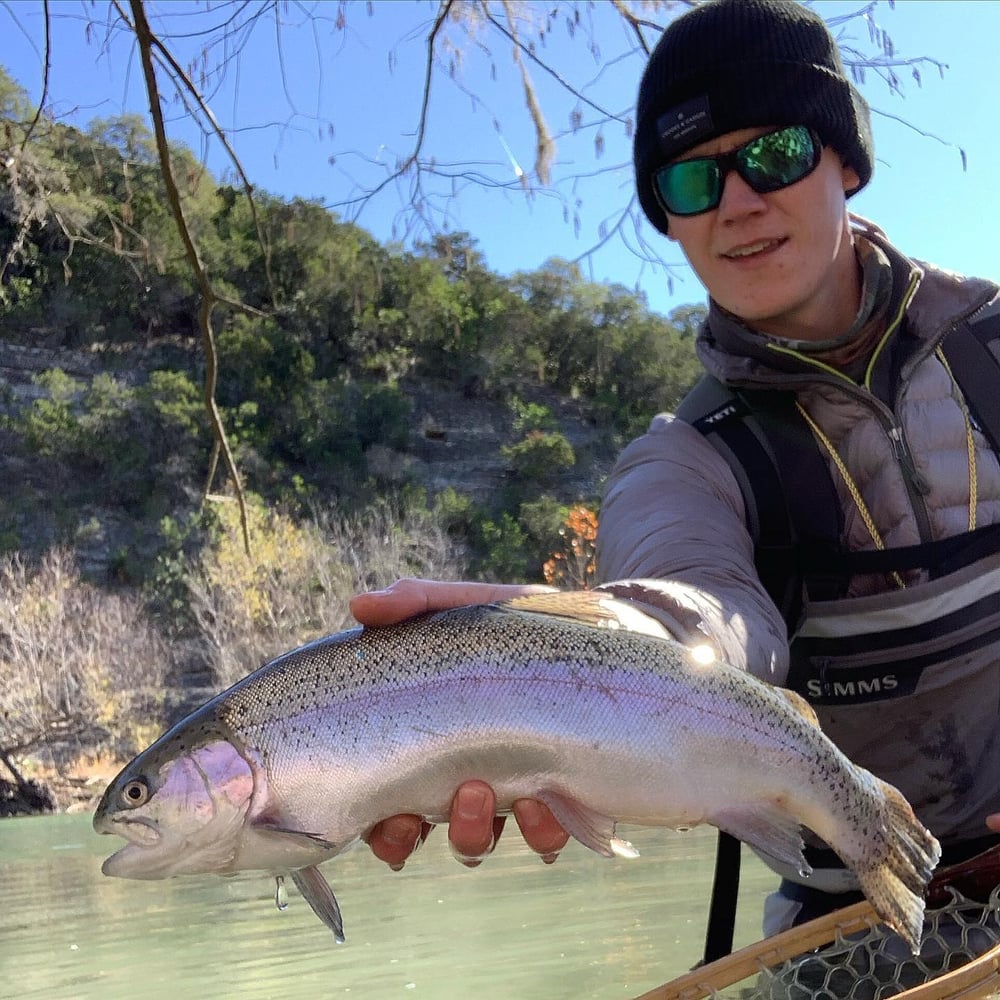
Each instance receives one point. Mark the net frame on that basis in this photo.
(836, 940)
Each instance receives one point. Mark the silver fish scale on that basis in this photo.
(299, 693)
(331, 691)
(361, 662)
(480, 641)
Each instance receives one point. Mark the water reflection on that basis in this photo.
(582, 928)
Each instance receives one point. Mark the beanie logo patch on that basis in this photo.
(685, 125)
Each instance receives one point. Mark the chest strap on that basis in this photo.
(975, 366)
(791, 505)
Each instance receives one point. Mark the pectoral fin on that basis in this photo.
(591, 828)
(317, 893)
(311, 839)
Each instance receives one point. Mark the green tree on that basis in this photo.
(540, 456)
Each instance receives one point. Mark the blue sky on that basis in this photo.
(305, 120)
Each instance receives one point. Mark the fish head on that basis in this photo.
(181, 808)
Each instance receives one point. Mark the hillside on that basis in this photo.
(455, 445)
(392, 410)
(453, 442)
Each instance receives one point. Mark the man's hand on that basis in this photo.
(473, 829)
(473, 826)
(408, 597)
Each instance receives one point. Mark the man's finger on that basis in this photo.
(540, 828)
(408, 597)
(395, 839)
(473, 826)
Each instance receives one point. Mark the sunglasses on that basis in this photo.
(768, 163)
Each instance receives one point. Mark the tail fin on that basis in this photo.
(896, 887)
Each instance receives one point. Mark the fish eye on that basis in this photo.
(135, 793)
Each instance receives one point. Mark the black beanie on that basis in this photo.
(734, 64)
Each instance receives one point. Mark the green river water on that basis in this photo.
(582, 928)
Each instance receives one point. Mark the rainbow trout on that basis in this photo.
(297, 761)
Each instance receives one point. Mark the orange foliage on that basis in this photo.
(574, 564)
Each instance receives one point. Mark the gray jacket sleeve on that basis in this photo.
(672, 535)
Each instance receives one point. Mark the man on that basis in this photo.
(749, 140)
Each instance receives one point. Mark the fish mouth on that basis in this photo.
(121, 864)
(141, 836)
(136, 831)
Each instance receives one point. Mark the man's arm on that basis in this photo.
(672, 536)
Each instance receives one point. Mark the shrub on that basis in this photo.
(128, 442)
(531, 416)
(574, 563)
(540, 456)
(455, 512)
(500, 545)
(296, 584)
(51, 425)
(77, 662)
(543, 521)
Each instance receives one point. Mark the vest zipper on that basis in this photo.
(916, 486)
(902, 455)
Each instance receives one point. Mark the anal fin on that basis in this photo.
(317, 893)
(767, 829)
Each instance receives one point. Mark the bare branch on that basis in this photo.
(519, 47)
(636, 24)
(185, 86)
(146, 42)
(545, 148)
(46, 71)
(442, 17)
(926, 135)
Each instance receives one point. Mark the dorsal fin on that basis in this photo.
(589, 607)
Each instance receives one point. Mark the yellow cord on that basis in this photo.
(856, 496)
(852, 487)
(970, 444)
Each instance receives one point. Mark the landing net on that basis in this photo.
(877, 964)
(849, 956)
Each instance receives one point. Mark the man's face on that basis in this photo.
(783, 261)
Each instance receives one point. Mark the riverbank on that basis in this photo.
(75, 788)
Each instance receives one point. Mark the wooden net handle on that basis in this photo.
(978, 978)
(769, 952)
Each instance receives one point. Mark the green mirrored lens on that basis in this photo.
(767, 163)
(690, 186)
(777, 159)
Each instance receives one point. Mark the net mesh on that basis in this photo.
(876, 964)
